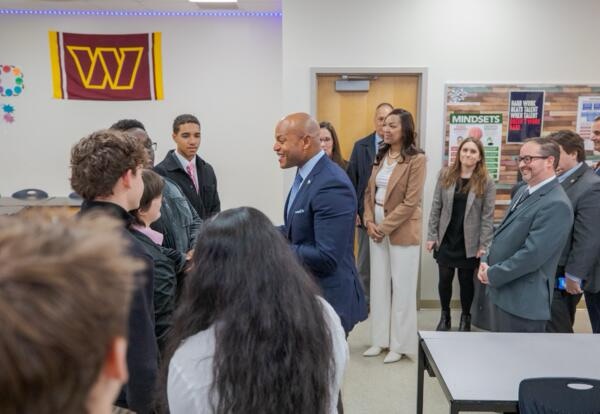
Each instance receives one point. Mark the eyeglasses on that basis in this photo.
(528, 158)
(154, 146)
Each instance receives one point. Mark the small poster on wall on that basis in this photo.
(588, 108)
(485, 127)
(525, 113)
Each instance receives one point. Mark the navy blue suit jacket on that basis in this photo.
(360, 167)
(320, 228)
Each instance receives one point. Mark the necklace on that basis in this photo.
(393, 156)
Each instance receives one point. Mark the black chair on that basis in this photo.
(74, 196)
(30, 194)
(559, 396)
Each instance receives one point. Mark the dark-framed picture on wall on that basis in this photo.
(525, 115)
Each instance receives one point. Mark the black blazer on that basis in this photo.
(206, 201)
(360, 167)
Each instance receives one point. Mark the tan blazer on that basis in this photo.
(402, 203)
(479, 216)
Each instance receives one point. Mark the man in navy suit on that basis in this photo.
(359, 171)
(319, 216)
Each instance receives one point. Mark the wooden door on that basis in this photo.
(351, 113)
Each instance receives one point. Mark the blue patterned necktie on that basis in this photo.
(294, 191)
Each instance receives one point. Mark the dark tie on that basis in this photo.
(524, 195)
(294, 191)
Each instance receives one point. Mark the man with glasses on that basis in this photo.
(519, 269)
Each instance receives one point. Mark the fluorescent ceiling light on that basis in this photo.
(213, 1)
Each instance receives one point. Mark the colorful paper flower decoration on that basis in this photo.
(11, 81)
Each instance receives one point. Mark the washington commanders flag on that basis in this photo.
(122, 67)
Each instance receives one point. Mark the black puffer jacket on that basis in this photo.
(168, 265)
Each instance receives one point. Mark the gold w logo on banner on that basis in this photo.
(102, 60)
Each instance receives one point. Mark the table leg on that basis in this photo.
(420, 377)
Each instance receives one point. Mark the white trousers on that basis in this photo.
(394, 273)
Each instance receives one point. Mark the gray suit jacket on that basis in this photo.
(479, 216)
(581, 255)
(525, 251)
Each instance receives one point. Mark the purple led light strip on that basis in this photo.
(142, 13)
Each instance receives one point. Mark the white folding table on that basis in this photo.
(481, 371)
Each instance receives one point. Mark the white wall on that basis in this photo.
(239, 75)
(525, 41)
(225, 70)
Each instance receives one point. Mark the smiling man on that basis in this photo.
(319, 216)
(192, 174)
(526, 247)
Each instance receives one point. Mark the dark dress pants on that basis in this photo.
(592, 301)
(562, 312)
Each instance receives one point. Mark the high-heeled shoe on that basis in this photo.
(444, 323)
(465, 322)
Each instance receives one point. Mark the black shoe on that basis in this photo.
(444, 324)
(465, 322)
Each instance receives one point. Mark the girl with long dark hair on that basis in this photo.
(250, 334)
(393, 221)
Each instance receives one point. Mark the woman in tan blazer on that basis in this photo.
(461, 226)
(393, 221)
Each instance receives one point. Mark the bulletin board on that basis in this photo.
(503, 115)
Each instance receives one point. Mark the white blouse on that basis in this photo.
(191, 368)
(381, 180)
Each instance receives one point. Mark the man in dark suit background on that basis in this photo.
(526, 247)
(359, 171)
(319, 216)
(582, 250)
(194, 176)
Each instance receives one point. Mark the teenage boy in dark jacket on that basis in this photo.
(192, 174)
(106, 171)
